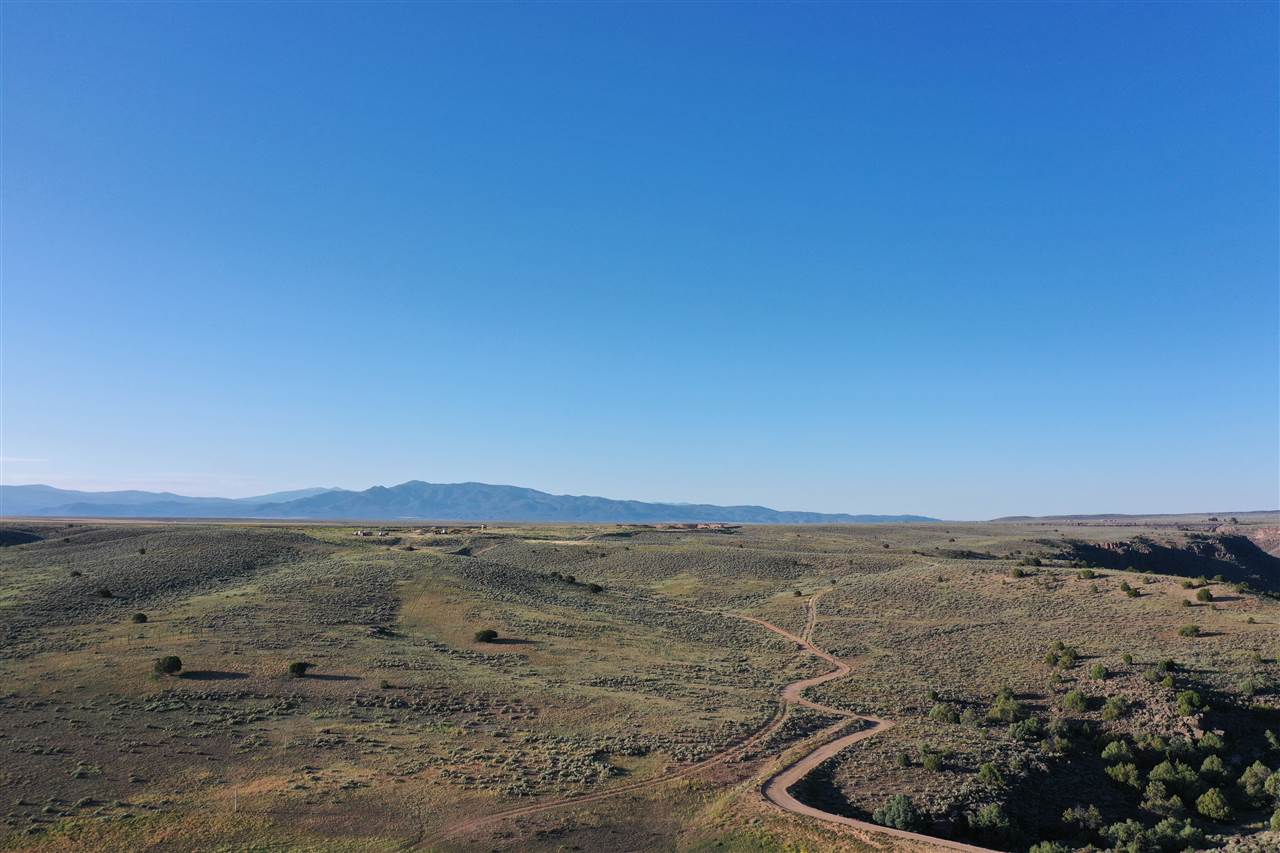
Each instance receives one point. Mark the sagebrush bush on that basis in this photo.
(168, 665)
(898, 812)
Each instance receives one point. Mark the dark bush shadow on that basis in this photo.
(331, 677)
(212, 675)
(510, 641)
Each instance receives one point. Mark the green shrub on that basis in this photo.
(103, 592)
(486, 635)
(1212, 741)
(1076, 701)
(1132, 593)
(1115, 708)
(1127, 835)
(990, 822)
(989, 774)
(1213, 767)
(1087, 819)
(1188, 584)
(1213, 805)
(1189, 631)
(932, 762)
(1253, 782)
(1272, 785)
(139, 618)
(1125, 774)
(1117, 750)
(1062, 655)
(1189, 702)
(1159, 799)
(168, 665)
(1027, 730)
(944, 713)
(904, 760)
(1275, 821)
(1005, 709)
(898, 812)
(1098, 672)
(1086, 574)
(1018, 572)
(1172, 834)
(1049, 847)
(299, 668)
(1177, 775)
(1251, 685)
(1204, 595)
(596, 589)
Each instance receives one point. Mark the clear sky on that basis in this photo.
(960, 260)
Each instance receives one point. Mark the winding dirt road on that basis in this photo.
(776, 788)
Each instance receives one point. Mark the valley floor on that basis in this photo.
(643, 688)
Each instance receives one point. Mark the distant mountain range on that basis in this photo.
(414, 500)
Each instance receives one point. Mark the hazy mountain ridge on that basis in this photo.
(411, 500)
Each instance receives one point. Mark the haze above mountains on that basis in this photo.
(414, 500)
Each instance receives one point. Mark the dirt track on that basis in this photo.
(776, 787)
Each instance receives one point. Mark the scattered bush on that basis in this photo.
(898, 812)
(1049, 847)
(1115, 708)
(1212, 741)
(1204, 594)
(1076, 701)
(103, 592)
(1005, 708)
(1213, 767)
(168, 665)
(991, 823)
(989, 774)
(1087, 574)
(1098, 672)
(1027, 730)
(1061, 655)
(486, 635)
(944, 713)
(298, 668)
(595, 588)
(1213, 805)
(1117, 750)
(1253, 782)
(1086, 819)
(139, 618)
(1157, 798)
(1189, 631)
(1189, 702)
(932, 762)
(1125, 774)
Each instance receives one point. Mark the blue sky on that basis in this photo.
(961, 260)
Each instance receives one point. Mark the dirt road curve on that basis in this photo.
(776, 788)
